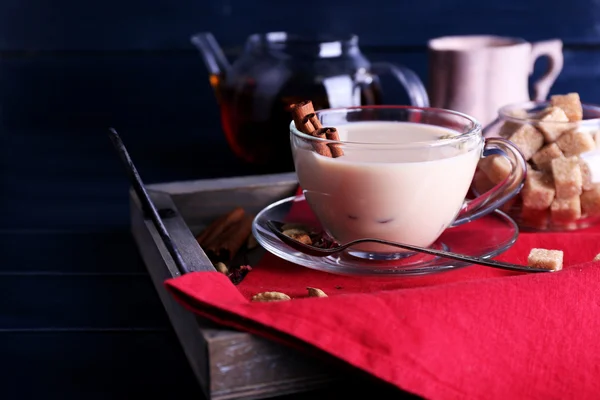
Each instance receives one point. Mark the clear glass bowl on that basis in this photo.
(516, 116)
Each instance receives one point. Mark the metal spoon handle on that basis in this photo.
(148, 206)
(453, 256)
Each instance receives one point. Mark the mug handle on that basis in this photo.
(553, 50)
(487, 202)
(408, 79)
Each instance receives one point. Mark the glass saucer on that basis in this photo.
(485, 237)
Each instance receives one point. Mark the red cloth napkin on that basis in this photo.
(472, 333)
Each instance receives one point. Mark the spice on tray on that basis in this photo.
(307, 122)
(235, 274)
(222, 268)
(219, 225)
(238, 274)
(271, 296)
(226, 235)
(314, 292)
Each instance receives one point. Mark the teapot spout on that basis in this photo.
(211, 52)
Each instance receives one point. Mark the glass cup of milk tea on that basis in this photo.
(399, 173)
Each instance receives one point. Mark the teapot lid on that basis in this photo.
(321, 45)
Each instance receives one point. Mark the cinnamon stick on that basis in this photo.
(225, 246)
(321, 148)
(299, 112)
(307, 122)
(332, 134)
(314, 120)
(219, 225)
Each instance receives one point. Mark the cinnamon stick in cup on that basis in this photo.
(299, 113)
(314, 120)
(332, 134)
(320, 147)
(324, 133)
(303, 112)
(307, 122)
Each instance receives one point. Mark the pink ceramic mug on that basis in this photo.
(478, 74)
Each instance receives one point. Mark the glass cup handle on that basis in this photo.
(408, 79)
(487, 202)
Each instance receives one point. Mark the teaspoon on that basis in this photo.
(275, 227)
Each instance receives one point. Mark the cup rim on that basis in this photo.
(474, 131)
(444, 43)
(526, 105)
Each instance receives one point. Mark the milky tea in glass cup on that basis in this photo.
(403, 176)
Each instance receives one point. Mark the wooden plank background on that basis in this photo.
(76, 301)
(164, 24)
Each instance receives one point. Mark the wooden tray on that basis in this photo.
(227, 363)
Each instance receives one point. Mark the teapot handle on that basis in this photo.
(408, 79)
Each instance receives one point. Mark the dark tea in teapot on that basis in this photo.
(255, 123)
(278, 69)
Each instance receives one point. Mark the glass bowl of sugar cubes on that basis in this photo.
(560, 139)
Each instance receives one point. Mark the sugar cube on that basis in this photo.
(590, 201)
(527, 139)
(545, 155)
(567, 177)
(563, 210)
(538, 191)
(552, 260)
(570, 104)
(586, 176)
(497, 168)
(551, 123)
(509, 127)
(574, 142)
(481, 182)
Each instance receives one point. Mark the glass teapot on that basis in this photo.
(277, 69)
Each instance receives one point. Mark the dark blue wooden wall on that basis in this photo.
(69, 69)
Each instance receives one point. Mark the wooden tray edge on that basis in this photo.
(205, 341)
